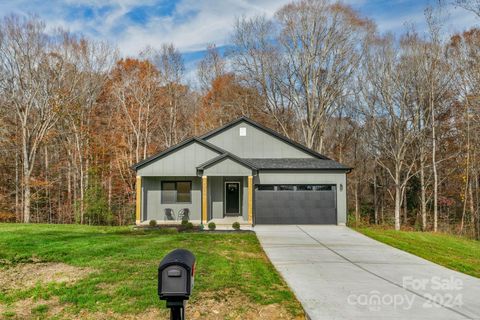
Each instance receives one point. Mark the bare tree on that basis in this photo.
(210, 67)
(464, 56)
(32, 76)
(302, 62)
(88, 65)
(470, 5)
(171, 69)
(390, 116)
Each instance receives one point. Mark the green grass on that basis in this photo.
(125, 263)
(450, 251)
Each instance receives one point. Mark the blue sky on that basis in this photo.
(191, 25)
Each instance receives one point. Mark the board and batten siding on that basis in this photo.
(255, 144)
(180, 162)
(154, 209)
(310, 177)
(227, 167)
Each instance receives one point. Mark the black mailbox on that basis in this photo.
(176, 275)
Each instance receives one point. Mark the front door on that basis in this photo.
(232, 198)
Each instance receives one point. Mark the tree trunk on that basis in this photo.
(375, 200)
(477, 215)
(398, 199)
(423, 197)
(18, 214)
(26, 199)
(435, 173)
(357, 209)
(26, 178)
(472, 207)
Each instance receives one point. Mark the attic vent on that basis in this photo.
(243, 131)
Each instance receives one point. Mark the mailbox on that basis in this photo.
(176, 275)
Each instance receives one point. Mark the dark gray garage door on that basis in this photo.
(295, 204)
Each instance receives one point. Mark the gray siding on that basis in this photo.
(216, 197)
(256, 144)
(181, 162)
(152, 195)
(227, 167)
(310, 177)
(216, 187)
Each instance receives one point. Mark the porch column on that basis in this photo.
(204, 199)
(250, 199)
(138, 200)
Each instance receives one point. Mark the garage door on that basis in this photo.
(295, 204)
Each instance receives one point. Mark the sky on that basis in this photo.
(191, 25)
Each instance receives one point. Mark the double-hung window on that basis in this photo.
(176, 192)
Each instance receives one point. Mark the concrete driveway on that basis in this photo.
(338, 273)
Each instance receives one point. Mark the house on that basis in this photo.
(245, 172)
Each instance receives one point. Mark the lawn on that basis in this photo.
(71, 271)
(450, 251)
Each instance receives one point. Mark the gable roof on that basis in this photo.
(266, 130)
(320, 161)
(233, 157)
(175, 147)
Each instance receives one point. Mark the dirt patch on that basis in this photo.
(150, 314)
(25, 276)
(33, 309)
(226, 304)
(232, 304)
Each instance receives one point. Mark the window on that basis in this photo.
(176, 192)
(243, 131)
(266, 188)
(312, 187)
(285, 188)
(305, 187)
(323, 188)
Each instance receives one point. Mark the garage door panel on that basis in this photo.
(295, 207)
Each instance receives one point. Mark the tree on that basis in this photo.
(302, 62)
(464, 55)
(470, 5)
(32, 73)
(389, 116)
(211, 67)
(175, 98)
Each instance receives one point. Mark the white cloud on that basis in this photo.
(192, 24)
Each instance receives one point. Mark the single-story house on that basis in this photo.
(242, 170)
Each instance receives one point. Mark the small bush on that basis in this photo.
(189, 226)
(184, 223)
(152, 223)
(212, 226)
(201, 227)
(7, 217)
(236, 226)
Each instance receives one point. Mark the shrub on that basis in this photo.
(7, 217)
(236, 225)
(95, 203)
(189, 226)
(201, 227)
(152, 223)
(184, 223)
(212, 226)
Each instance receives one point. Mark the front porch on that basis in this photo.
(219, 199)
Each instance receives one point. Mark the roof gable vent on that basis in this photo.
(243, 131)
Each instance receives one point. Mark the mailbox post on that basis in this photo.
(175, 281)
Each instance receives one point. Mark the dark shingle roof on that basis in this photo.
(292, 163)
(226, 155)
